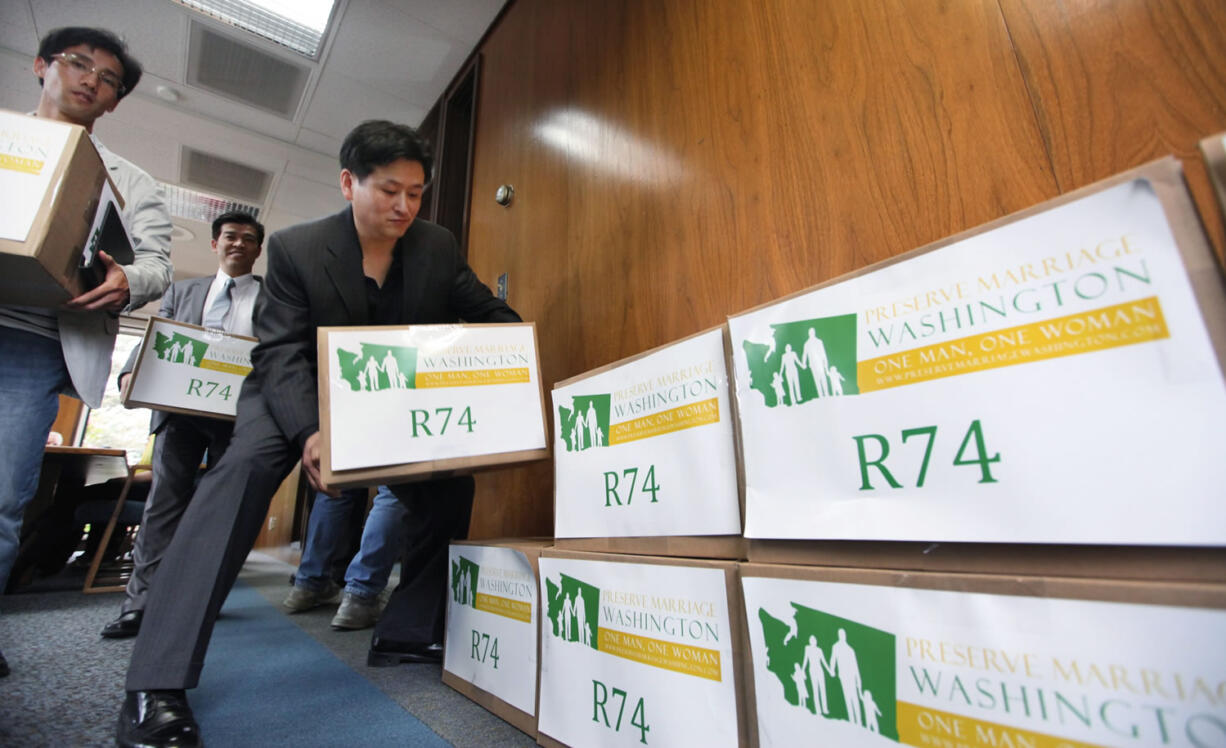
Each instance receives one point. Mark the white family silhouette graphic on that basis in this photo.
(826, 377)
(842, 666)
(586, 432)
(179, 352)
(572, 623)
(467, 593)
(368, 374)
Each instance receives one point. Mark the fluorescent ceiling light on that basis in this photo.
(297, 24)
(201, 206)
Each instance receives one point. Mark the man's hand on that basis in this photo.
(310, 463)
(112, 293)
(123, 384)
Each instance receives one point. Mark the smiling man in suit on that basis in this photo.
(223, 301)
(374, 263)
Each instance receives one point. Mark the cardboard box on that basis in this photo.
(185, 368)
(636, 649)
(1052, 378)
(59, 209)
(493, 641)
(645, 459)
(405, 403)
(1213, 149)
(973, 660)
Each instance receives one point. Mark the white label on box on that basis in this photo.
(30, 151)
(430, 392)
(1042, 382)
(635, 654)
(492, 622)
(647, 448)
(859, 665)
(188, 368)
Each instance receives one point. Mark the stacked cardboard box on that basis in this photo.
(983, 523)
(980, 487)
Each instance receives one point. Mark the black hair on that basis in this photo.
(377, 142)
(59, 40)
(237, 216)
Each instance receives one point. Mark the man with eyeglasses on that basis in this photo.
(84, 74)
(225, 301)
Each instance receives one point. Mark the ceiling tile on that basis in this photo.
(466, 21)
(393, 52)
(341, 102)
(306, 198)
(320, 144)
(17, 31)
(155, 30)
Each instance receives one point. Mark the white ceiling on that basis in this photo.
(388, 59)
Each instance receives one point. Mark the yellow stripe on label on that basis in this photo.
(1138, 321)
(666, 421)
(225, 366)
(681, 658)
(918, 725)
(471, 378)
(505, 607)
(24, 165)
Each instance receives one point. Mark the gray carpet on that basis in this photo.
(67, 682)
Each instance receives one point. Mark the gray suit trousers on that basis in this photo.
(181, 445)
(216, 533)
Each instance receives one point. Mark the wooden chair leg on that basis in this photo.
(106, 539)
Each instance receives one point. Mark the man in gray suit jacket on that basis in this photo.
(370, 264)
(182, 441)
(84, 73)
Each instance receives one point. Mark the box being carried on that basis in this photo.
(857, 657)
(1040, 379)
(493, 626)
(59, 209)
(184, 368)
(400, 403)
(645, 459)
(639, 650)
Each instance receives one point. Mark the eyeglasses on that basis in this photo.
(83, 66)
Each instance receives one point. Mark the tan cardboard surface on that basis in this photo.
(1110, 562)
(736, 621)
(1214, 153)
(426, 469)
(43, 270)
(730, 547)
(1189, 594)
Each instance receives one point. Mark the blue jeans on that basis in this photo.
(32, 374)
(382, 539)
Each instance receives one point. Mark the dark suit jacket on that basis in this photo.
(183, 302)
(315, 279)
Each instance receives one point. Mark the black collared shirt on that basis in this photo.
(386, 304)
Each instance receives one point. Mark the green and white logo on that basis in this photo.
(805, 360)
(573, 610)
(834, 668)
(464, 574)
(179, 349)
(586, 423)
(379, 367)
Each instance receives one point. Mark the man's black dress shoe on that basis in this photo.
(126, 625)
(4, 666)
(384, 653)
(157, 718)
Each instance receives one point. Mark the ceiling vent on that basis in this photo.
(223, 176)
(241, 71)
(185, 203)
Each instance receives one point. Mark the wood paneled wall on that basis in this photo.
(675, 161)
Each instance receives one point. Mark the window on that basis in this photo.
(113, 425)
